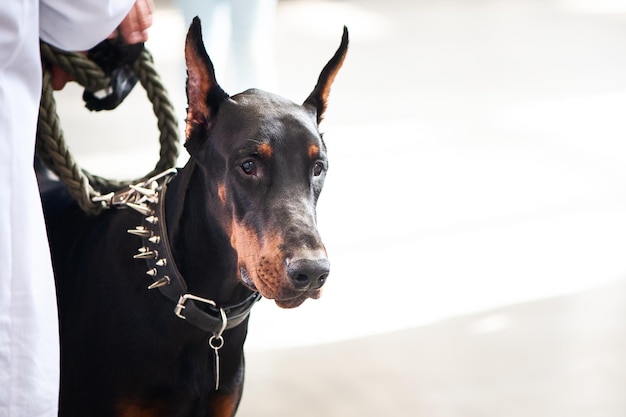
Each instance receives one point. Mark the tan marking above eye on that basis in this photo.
(314, 151)
(264, 150)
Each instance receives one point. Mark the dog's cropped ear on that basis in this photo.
(204, 94)
(318, 99)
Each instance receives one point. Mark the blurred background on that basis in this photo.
(474, 211)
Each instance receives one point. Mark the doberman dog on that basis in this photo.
(237, 222)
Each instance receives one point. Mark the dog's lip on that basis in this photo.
(245, 278)
(295, 301)
(292, 300)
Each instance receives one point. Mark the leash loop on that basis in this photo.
(51, 148)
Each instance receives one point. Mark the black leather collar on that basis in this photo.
(148, 198)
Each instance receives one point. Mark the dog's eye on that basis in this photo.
(249, 167)
(318, 168)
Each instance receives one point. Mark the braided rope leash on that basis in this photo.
(52, 148)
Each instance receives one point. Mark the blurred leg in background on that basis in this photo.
(239, 35)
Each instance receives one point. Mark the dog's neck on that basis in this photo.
(200, 245)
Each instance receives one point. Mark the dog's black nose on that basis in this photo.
(308, 273)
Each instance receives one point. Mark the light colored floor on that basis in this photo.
(557, 357)
(474, 212)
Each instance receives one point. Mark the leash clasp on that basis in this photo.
(118, 198)
(136, 193)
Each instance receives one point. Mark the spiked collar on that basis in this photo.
(148, 198)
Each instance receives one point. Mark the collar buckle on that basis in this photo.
(180, 306)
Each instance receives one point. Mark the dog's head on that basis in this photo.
(265, 162)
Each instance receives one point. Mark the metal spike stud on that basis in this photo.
(144, 191)
(146, 255)
(160, 283)
(139, 231)
(156, 239)
(145, 210)
(152, 219)
(153, 200)
(161, 262)
(143, 249)
(152, 272)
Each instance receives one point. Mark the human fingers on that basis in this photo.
(58, 78)
(134, 27)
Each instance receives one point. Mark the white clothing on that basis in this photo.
(29, 353)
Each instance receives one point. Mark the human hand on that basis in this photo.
(134, 29)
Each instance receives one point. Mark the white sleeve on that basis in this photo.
(79, 25)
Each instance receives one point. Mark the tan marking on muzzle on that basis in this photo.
(263, 260)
